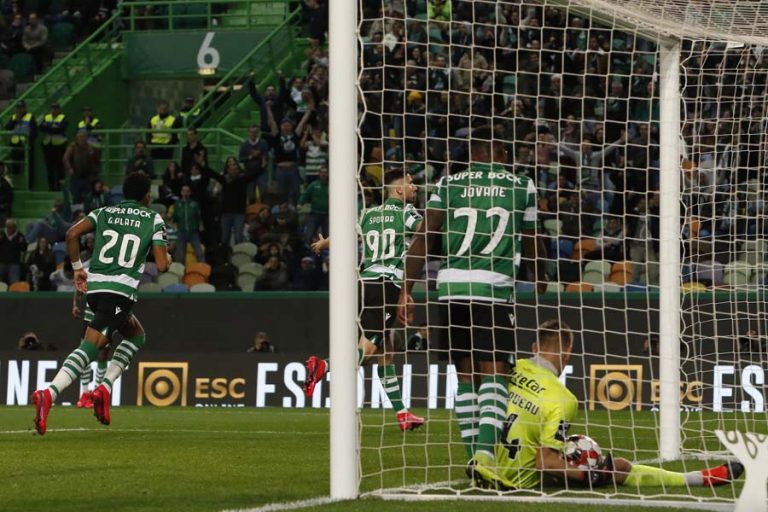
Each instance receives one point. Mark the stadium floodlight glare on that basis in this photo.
(673, 94)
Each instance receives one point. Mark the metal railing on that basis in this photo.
(202, 14)
(266, 57)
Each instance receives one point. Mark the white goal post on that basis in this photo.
(667, 22)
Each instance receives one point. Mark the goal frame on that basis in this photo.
(343, 141)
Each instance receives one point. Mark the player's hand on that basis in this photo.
(76, 312)
(603, 473)
(321, 244)
(405, 308)
(81, 280)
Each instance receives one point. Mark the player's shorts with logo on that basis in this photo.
(110, 312)
(477, 329)
(378, 307)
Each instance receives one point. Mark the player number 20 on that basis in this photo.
(471, 215)
(381, 245)
(126, 255)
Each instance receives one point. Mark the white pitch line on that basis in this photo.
(289, 505)
(159, 431)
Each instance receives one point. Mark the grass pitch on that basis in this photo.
(193, 459)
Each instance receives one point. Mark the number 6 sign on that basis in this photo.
(208, 56)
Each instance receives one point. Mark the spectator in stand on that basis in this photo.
(24, 128)
(54, 131)
(99, 196)
(439, 10)
(6, 194)
(285, 145)
(234, 185)
(316, 14)
(173, 180)
(269, 101)
(81, 163)
(253, 157)
(275, 276)
(285, 220)
(188, 114)
(40, 264)
(53, 227)
(314, 144)
(308, 278)
(62, 280)
(140, 161)
(35, 41)
(193, 150)
(610, 245)
(199, 180)
(161, 140)
(187, 217)
(87, 243)
(15, 35)
(90, 123)
(12, 249)
(316, 196)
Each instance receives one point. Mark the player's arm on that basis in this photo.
(160, 245)
(321, 245)
(552, 462)
(83, 227)
(533, 246)
(416, 257)
(77, 298)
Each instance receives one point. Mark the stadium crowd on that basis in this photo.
(576, 104)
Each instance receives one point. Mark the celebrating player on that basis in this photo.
(539, 414)
(124, 235)
(385, 229)
(486, 215)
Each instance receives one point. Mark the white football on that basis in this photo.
(582, 452)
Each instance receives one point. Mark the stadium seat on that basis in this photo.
(246, 282)
(150, 287)
(620, 277)
(635, 287)
(176, 268)
(608, 287)
(735, 278)
(240, 259)
(693, 287)
(524, 287)
(23, 67)
(554, 287)
(252, 269)
(176, 288)
(710, 273)
(150, 269)
(565, 249)
(553, 226)
(593, 277)
(601, 267)
(583, 246)
(202, 288)
(621, 266)
(19, 287)
(579, 287)
(419, 287)
(62, 35)
(167, 278)
(203, 269)
(192, 278)
(246, 248)
(3, 287)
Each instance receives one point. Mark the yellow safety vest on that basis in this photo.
(55, 139)
(193, 113)
(93, 139)
(21, 129)
(158, 123)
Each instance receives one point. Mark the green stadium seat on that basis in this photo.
(602, 267)
(203, 288)
(593, 277)
(150, 287)
(176, 269)
(3, 287)
(239, 259)
(166, 278)
(23, 67)
(254, 269)
(62, 36)
(248, 248)
(246, 282)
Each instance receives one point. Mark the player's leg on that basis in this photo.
(84, 402)
(493, 343)
(76, 362)
(101, 366)
(639, 475)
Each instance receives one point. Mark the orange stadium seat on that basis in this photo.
(201, 268)
(192, 278)
(622, 266)
(19, 287)
(620, 277)
(579, 287)
(583, 246)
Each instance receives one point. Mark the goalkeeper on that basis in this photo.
(539, 414)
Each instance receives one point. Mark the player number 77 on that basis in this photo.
(471, 215)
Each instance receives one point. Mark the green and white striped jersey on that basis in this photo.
(486, 208)
(384, 230)
(124, 235)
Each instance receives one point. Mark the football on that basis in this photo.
(582, 452)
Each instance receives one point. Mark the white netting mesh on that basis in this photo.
(572, 90)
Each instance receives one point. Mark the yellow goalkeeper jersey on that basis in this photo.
(539, 414)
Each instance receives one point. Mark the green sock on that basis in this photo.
(101, 371)
(388, 378)
(647, 476)
(74, 365)
(122, 358)
(360, 357)
(492, 399)
(85, 379)
(465, 407)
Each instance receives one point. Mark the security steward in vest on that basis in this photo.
(189, 115)
(24, 128)
(161, 141)
(54, 135)
(89, 123)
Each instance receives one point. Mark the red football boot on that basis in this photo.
(85, 401)
(101, 400)
(316, 370)
(723, 474)
(42, 401)
(409, 421)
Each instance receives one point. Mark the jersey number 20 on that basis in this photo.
(126, 255)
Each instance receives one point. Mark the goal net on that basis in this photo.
(574, 91)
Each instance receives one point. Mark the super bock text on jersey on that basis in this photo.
(124, 235)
